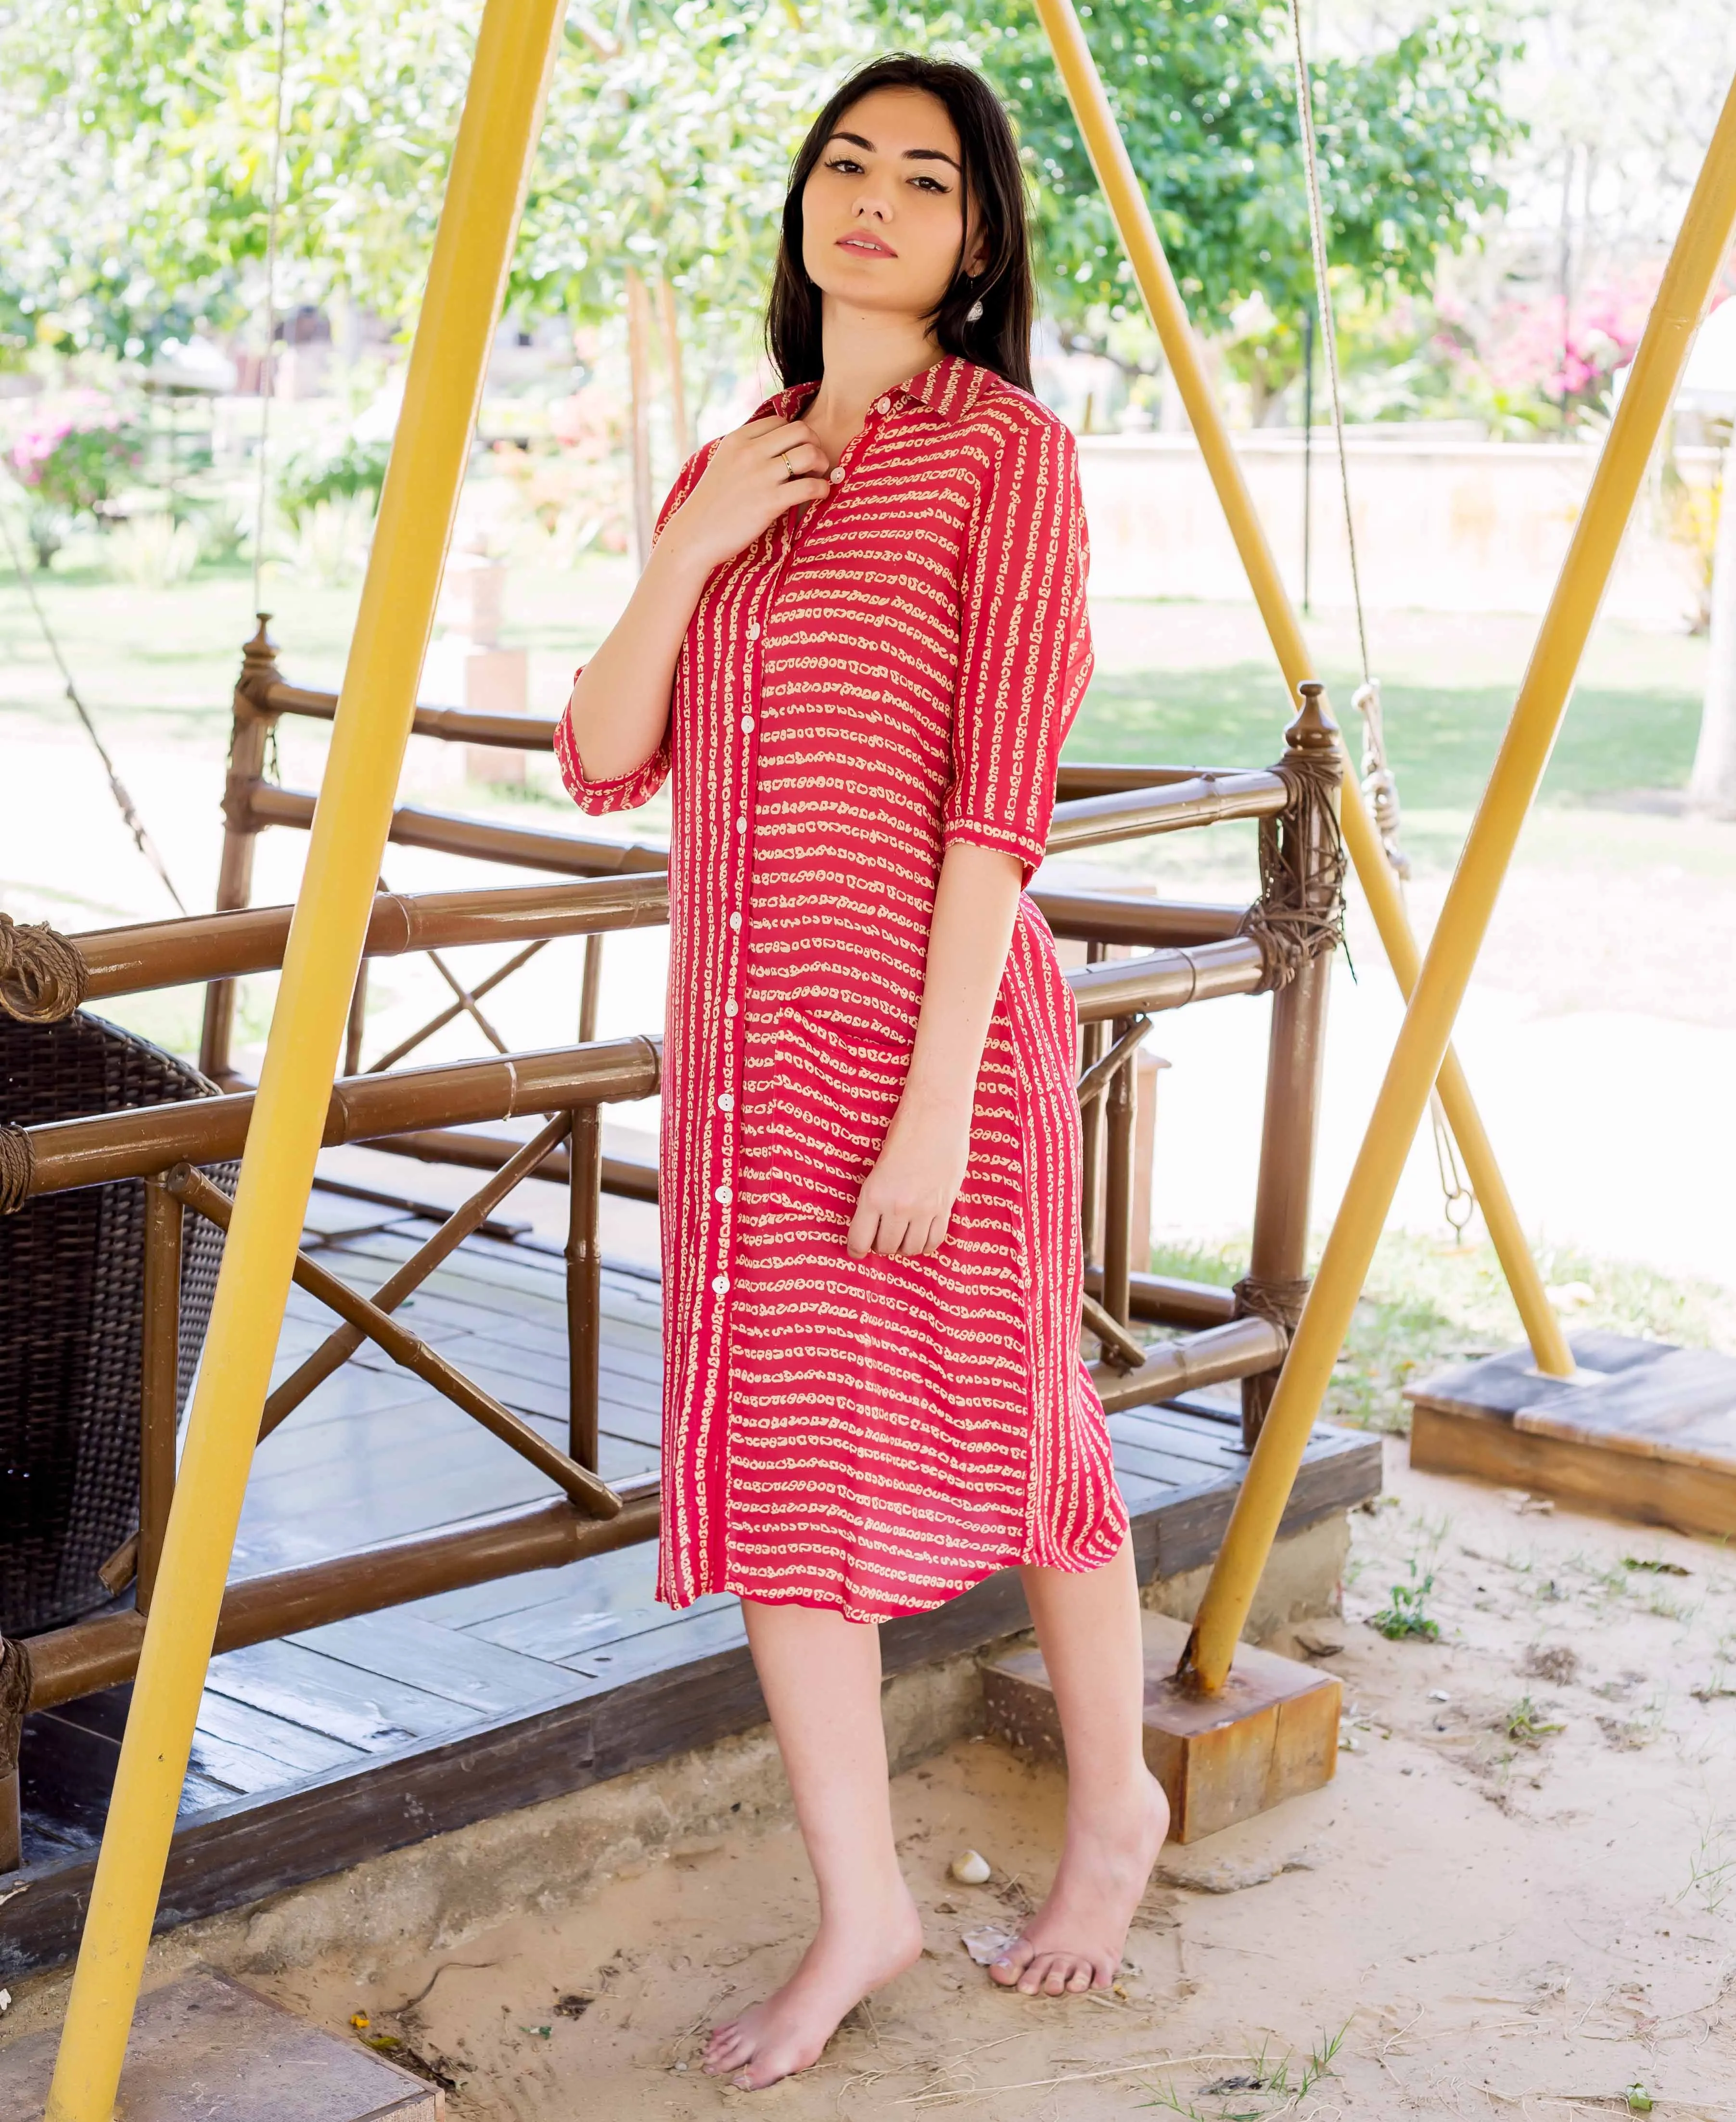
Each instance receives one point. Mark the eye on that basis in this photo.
(845, 166)
(931, 184)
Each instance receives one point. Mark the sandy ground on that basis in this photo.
(1518, 1896)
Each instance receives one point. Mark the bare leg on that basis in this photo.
(821, 1677)
(1088, 1625)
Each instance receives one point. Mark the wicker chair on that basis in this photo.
(72, 1286)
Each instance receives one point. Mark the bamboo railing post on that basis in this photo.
(1090, 1186)
(159, 1378)
(583, 1286)
(509, 76)
(1145, 252)
(1276, 1284)
(1118, 1190)
(353, 1029)
(584, 1249)
(248, 739)
(1694, 262)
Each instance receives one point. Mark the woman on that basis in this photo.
(857, 647)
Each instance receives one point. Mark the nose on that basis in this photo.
(869, 207)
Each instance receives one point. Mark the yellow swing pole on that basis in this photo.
(497, 136)
(1163, 299)
(1700, 252)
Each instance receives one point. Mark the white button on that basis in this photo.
(734, 921)
(730, 1008)
(725, 1103)
(725, 1195)
(837, 475)
(747, 722)
(753, 629)
(720, 1283)
(882, 404)
(741, 823)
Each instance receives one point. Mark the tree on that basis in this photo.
(1205, 94)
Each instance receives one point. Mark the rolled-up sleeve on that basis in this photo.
(624, 791)
(1025, 648)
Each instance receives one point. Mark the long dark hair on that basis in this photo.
(993, 182)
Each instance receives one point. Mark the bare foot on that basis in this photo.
(842, 1966)
(1075, 1939)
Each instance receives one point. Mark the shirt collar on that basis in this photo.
(949, 390)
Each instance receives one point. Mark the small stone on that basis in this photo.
(971, 1868)
(1319, 1639)
(986, 1945)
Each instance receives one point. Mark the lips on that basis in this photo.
(866, 246)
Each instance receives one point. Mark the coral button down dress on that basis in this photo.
(881, 674)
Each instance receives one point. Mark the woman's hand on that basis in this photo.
(906, 1203)
(755, 474)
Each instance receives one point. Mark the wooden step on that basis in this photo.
(1270, 1733)
(204, 2049)
(1645, 1430)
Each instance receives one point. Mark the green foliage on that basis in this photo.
(1204, 92)
(1406, 1612)
(143, 139)
(357, 467)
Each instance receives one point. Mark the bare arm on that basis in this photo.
(906, 1199)
(619, 707)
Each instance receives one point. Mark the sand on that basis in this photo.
(1482, 1915)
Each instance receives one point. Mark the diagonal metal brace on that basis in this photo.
(582, 1488)
(338, 1347)
(1099, 1076)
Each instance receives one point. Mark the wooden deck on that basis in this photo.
(329, 1746)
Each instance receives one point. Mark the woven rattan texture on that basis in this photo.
(72, 1286)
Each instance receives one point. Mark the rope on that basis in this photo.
(15, 1699)
(268, 372)
(117, 789)
(1299, 917)
(1323, 304)
(1278, 1299)
(42, 976)
(1378, 784)
(18, 1161)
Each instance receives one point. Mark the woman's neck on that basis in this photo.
(865, 355)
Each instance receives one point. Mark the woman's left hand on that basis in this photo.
(907, 1200)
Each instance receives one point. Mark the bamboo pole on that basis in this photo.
(1699, 253)
(508, 77)
(1132, 218)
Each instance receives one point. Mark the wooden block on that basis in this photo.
(204, 2049)
(1271, 1734)
(1647, 1433)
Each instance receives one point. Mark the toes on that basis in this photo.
(1013, 1963)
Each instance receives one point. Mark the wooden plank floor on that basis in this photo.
(338, 1743)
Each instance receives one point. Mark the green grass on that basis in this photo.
(1442, 739)
(1429, 1303)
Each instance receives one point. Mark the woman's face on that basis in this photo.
(883, 208)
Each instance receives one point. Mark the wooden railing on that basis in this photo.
(1183, 953)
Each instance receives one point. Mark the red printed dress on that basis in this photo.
(879, 674)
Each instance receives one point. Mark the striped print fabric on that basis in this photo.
(886, 672)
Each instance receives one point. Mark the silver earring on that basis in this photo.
(973, 315)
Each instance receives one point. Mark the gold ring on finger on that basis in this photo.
(783, 458)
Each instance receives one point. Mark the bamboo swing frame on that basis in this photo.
(350, 827)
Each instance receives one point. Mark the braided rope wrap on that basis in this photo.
(1299, 916)
(18, 1161)
(42, 974)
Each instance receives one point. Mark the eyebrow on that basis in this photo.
(910, 154)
